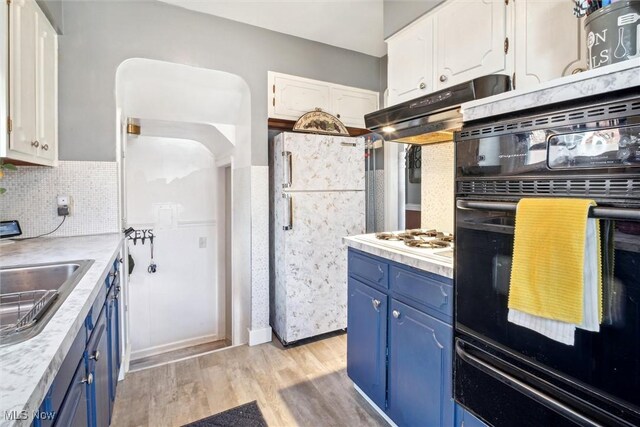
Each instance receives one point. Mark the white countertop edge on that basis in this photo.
(49, 361)
(468, 108)
(429, 265)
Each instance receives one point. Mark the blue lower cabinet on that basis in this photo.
(74, 410)
(466, 419)
(420, 368)
(113, 325)
(367, 340)
(98, 364)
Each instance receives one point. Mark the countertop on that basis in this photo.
(601, 80)
(436, 265)
(27, 369)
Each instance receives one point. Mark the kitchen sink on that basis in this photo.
(31, 294)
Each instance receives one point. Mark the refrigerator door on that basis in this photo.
(310, 260)
(306, 162)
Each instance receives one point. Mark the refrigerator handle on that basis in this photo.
(289, 204)
(288, 168)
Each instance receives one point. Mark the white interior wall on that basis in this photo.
(171, 188)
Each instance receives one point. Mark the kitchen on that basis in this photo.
(210, 215)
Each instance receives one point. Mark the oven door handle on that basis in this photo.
(594, 212)
(524, 388)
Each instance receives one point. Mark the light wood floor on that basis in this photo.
(300, 386)
(183, 353)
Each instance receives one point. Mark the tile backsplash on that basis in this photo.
(438, 186)
(32, 191)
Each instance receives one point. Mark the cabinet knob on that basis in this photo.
(35, 144)
(95, 356)
(443, 78)
(395, 313)
(45, 147)
(88, 379)
(422, 85)
(375, 303)
(114, 274)
(338, 115)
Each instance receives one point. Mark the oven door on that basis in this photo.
(598, 376)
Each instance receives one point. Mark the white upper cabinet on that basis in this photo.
(350, 105)
(294, 96)
(550, 42)
(33, 82)
(290, 97)
(470, 40)
(410, 70)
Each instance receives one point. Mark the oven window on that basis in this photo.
(608, 360)
(618, 147)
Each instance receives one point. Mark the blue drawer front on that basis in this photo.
(423, 289)
(368, 269)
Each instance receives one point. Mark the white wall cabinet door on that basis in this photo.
(350, 105)
(292, 97)
(469, 40)
(540, 54)
(410, 69)
(46, 89)
(23, 17)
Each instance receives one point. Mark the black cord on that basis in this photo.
(46, 234)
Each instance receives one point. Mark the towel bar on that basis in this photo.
(594, 212)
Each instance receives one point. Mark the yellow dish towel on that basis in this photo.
(557, 249)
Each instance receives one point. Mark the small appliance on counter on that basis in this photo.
(9, 229)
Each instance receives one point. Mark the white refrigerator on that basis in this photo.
(318, 198)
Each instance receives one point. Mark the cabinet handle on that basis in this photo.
(422, 85)
(395, 313)
(88, 380)
(95, 356)
(45, 147)
(375, 303)
(35, 144)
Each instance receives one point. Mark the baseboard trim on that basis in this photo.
(259, 336)
(374, 406)
(152, 351)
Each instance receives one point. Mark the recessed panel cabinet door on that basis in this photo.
(350, 105)
(294, 97)
(419, 389)
(411, 62)
(23, 17)
(541, 54)
(367, 340)
(470, 40)
(46, 89)
(74, 411)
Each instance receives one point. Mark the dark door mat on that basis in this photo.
(247, 415)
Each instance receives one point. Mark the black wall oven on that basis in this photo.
(508, 375)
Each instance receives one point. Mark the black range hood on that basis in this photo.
(433, 118)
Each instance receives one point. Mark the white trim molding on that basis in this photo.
(259, 336)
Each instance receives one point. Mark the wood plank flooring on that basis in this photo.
(300, 386)
(175, 355)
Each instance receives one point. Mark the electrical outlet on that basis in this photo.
(64, 205)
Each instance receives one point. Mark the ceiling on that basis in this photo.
(351, 24)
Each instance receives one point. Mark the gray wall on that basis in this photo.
(53, 11)
(99, 35)
(400, 13)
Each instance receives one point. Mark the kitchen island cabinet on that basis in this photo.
(399, 342)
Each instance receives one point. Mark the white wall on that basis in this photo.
(171, 187)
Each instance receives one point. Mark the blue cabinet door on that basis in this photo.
(113, 316)
(367, 340)
(74, 409)
(466, 419)
(419, 389)
(98, 364)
